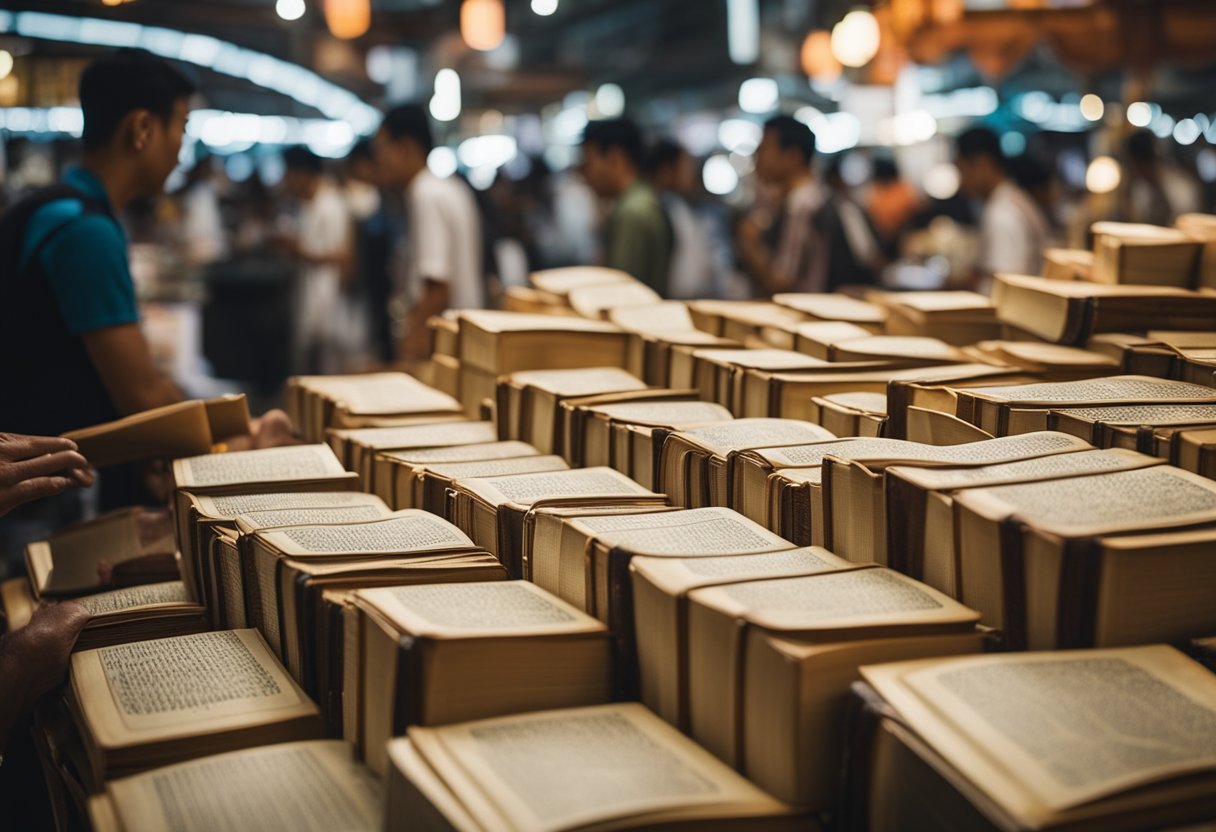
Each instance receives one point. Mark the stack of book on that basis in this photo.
(360, 450)
(435, 655)
(498, 343)
(317, 403)
(1144, 254)
(662, 340)
(770, 663)
(528, 402)
(955, 317)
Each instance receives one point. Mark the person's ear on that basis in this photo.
(140, 129)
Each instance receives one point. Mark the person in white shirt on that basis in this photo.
(444, 259)
(1013, 230)
(321, 242)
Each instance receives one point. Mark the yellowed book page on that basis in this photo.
(832, 307)
(665, 413)
(68, 561)
(1148, 498)
(708, 531)
(983, 452)
(229, 507)
(582, 382)
(1039, 468)
(464, 453)
(471, 610)
(426, 436)
(1050, 731)
(251, 520)
(184, 686)
(398, 394)
(498, 467)
(494, 321)
(837, 601)
(565, 769)
(679, 575)
(755, 433)
(1113, 389)
(314, 786)
(525, 489)
(411, 530)
(169, 593)
(298, 462)
(1145, 414)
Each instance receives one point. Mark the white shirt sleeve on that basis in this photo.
(326, 227)
(1007, 241)
(429, 239)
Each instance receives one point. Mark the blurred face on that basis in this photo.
(398, 161)
(157, 143)
(297, 183)
(968, 176)
(772, 160)
(598, 170)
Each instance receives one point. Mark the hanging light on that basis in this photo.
(483, 24)
(348, 19)
(818, 62)
(855, 38)
(6, 64)
(289, 9)
(1103, 175)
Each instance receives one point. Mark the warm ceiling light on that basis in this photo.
(6, 63)
(855, 38)
(483, 24)
(1092, 107)
(818, 62)
(348, 19)
(1103, 175)
(289, 9)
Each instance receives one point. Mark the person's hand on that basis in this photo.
(273, 429)
(34, 658)
(33, 467)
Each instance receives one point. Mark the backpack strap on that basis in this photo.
(17, 218)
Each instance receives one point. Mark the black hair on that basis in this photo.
(979, 141)
(1029, 173)
(1140, 146)
(409, 121)
(301, 158)
(664, 154)
(792, 133)
(885, 170)
(616, 133)
(125, 81)
(361, 152)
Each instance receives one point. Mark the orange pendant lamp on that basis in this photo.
(483, 24)
(348, 19)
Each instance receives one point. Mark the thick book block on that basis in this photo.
(770, 663)
(434, 655)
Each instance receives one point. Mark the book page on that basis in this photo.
(298, 462)
(526, 489)
(985, 451)
(397, 393)
(812, 454)
(1150, 414)
(312, 786)
(1039, 468)
(310, 515)
(132, 597)
(415, 531)
(770, 563)
(831, 307)
(181, 684)
(684, 534)
(426, 436)
(465, 453)
(499, 467)
(477, 609)
(862, 597)
(1073, 726)
(665, 413)
(563, 769)
(582, 382)
(864, 402)
(1144, 498)
(755, 433)
(1114, 389)
(230, 507)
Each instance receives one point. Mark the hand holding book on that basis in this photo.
(33, 467)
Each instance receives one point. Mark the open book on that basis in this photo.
(363, 447)
(956, 317)
(834, 307)
(433, 655)
(183, 429)
(311, 786)
(1052, 362)
(660, 587)
(920, 505)
(68, 562)
(770, 663)
(577, 413)
(852, 414)
(503, 342)
(317, 403)
(152, 703)
(528, 401)
(491, 510)
(661, 339)
(1040, 559)
(604, 767)
(1045, 741)
(693, 467)
(286, 568)
(397, 470)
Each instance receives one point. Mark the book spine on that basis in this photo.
(906, 506)
(620, 614)
(408, 695)
(1013, 583)
(1077, 604)
(864, 712)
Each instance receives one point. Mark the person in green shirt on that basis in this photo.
(639, 237)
